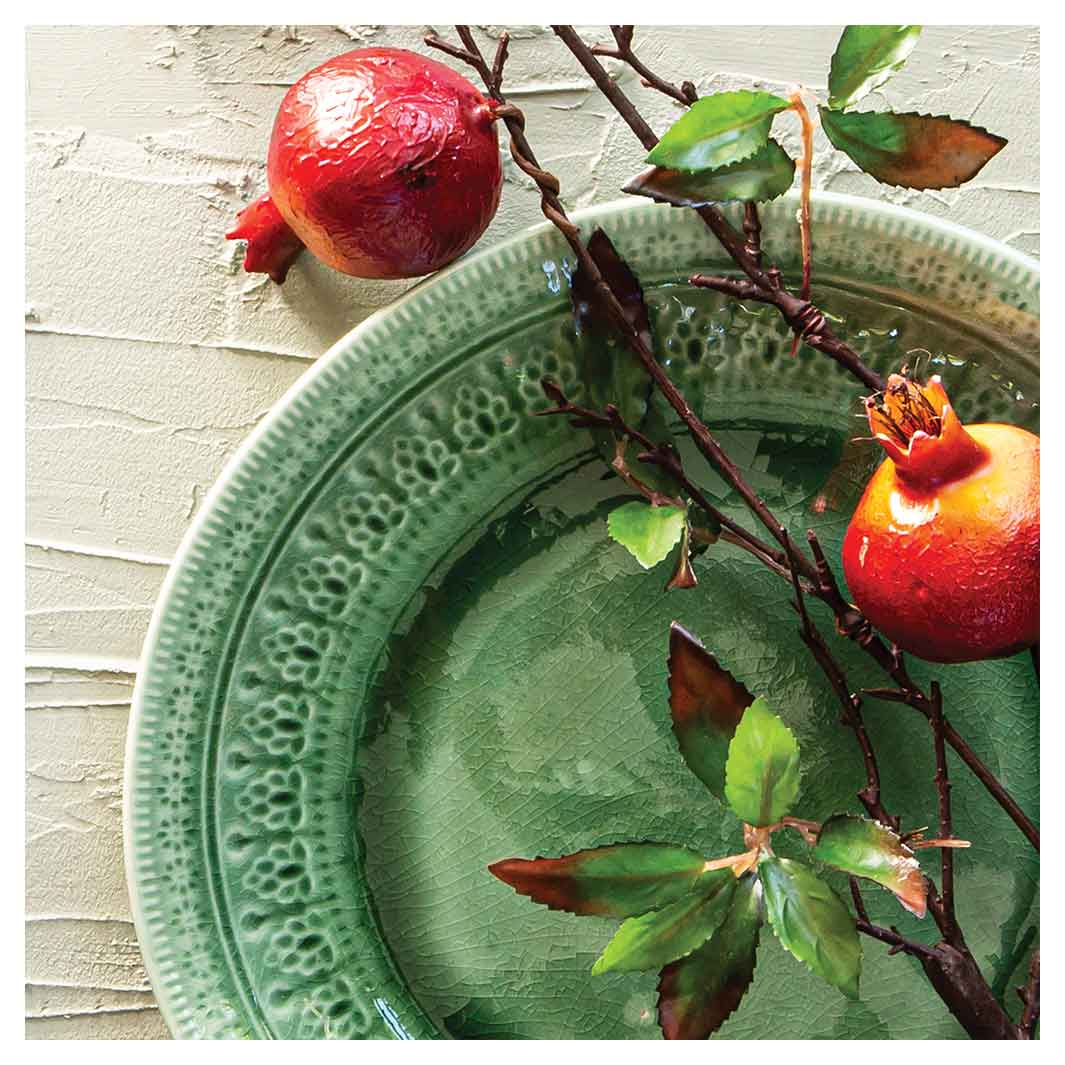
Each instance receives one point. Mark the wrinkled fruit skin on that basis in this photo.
(384, 163)
(942, 553)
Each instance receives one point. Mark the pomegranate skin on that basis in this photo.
(385, 163)
(942, 553)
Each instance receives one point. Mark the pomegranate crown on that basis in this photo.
(921, 433)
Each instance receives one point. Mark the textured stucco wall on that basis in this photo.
(150, 355)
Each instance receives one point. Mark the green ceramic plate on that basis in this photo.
(397, 645)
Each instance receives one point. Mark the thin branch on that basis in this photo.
(807, 173)
(685, 93)
(553, 210)
(810, 323)
(752, 231)
(942, 781)
(899, 943)
(666, 458)
(1029, 995)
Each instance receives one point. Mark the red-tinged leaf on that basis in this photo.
(622, 880)
(659, 937)
(910, 150)
(697, 994)
(610, 371)
(869, 849)
(707, 703)
(764, 176)
(623, 283)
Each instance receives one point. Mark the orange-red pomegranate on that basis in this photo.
(382, 162)
(942, 554)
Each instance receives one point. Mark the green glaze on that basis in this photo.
(398, 645)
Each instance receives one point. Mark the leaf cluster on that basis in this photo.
(696, 920)
(721, 150)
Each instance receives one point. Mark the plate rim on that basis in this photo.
(866, 206)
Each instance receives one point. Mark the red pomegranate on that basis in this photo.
(942, 553)
(382, 162)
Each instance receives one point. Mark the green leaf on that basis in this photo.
(697, 994)
(912, 151)
(762, 771)
(811, 922)
(622, 880)
(718, 130)
(648, 532)
(659, 937)
(867, 848)
(865, 58)
(763, 176)
(706, 703)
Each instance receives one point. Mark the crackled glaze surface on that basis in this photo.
(254, 903)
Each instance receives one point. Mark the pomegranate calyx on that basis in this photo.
(921, 433)
(272, 245)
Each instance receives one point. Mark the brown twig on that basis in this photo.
(942, 781)
(553, 210)
(1029, 995)
(666, 458)
(685, 93)
(895, 940)
(752, 232)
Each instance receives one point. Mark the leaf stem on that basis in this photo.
(807, 164)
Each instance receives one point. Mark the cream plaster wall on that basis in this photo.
(150, 354)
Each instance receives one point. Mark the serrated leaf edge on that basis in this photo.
(762, 915)
(563, 909)
(910, 857)
(739, 1001)
(770, 117)
(798, 758)
(632, 190)
(618, 540)
(730, 887)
